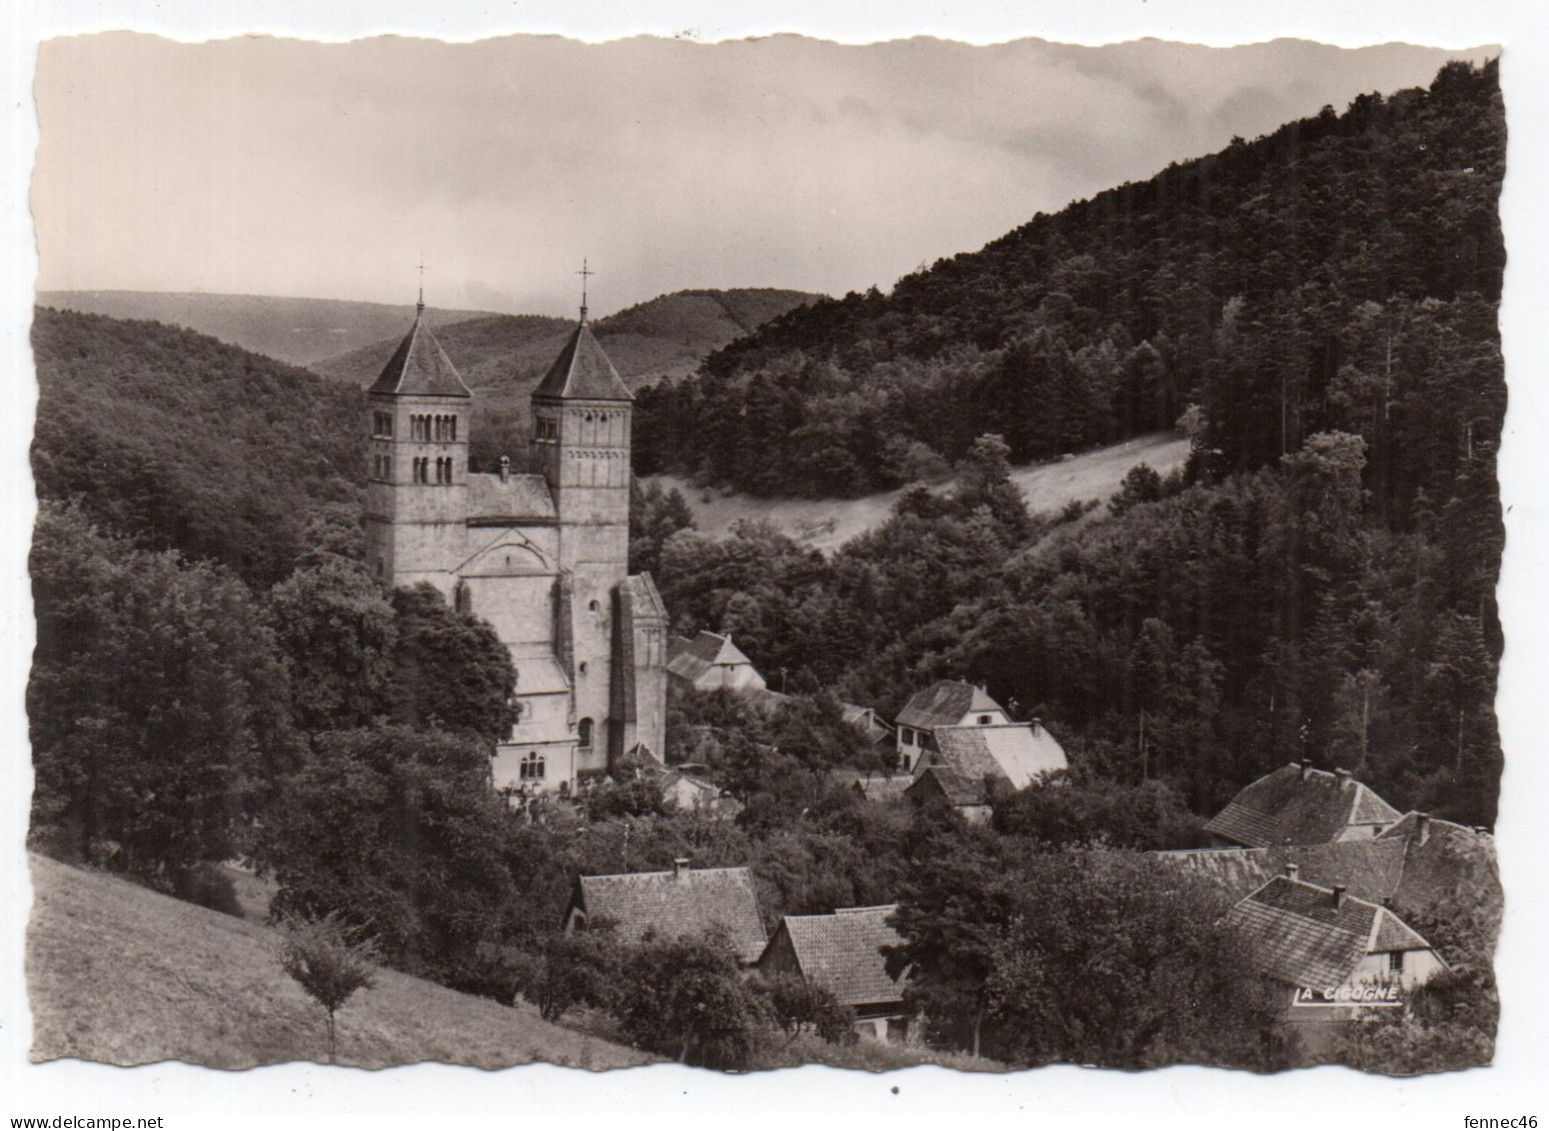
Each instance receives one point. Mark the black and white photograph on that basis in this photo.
(760, 551)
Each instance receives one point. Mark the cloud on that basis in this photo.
(275, 166)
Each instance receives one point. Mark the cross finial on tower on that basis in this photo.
(421, 307)
(585, 274)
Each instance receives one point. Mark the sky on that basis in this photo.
(278, 166)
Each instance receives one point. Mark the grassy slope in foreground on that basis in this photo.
(120, 974)
(826, 524)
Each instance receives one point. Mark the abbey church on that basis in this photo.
(541, 557)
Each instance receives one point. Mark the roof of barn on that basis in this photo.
(1017, 752)
(675, 904)
(842, 953)
(944, 703)
(1300, 937)
(1298, 805)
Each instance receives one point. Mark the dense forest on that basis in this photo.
(181, 442)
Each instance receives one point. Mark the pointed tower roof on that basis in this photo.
(582, 371)
(420, 366)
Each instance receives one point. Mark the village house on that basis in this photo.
(958, 725)
(1338, 955)
(711, 662)
(1446, 865)
(690, 793)
(684, 901)
(687, 786)
(1419, 865)
(1297, 805)
(866, 720)
(944, 785)
(542, 557)
(842, 953)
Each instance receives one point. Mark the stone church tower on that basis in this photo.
(542, 557)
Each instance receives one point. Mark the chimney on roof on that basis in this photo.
(1037, 725)
(679, 866)
(1422, 827)
(1343, 775)
(1291, 868)
(1339, 896)
(505, 468)
(1306, 768)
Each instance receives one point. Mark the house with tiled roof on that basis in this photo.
(684, 901)
(1368, 869)
(1298, 805)
(710, 662)
(946, 785)
(1420, 866)
(842, 953)
(1332, 950)
(958, 725)
(1445, 864)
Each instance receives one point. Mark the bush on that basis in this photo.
(797, 1006)
(557, 972)
(210, 886)
(686, 998)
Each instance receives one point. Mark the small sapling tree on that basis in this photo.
(328, 963)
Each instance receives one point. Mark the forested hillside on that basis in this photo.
(184, 443)
(1340, 272)
(1321, 581)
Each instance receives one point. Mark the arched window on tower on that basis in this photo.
(585, 733)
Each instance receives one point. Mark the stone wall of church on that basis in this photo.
(416, 496)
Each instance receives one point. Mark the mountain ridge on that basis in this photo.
(289, 328)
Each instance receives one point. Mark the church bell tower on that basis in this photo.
(416, 496)
(581, 436)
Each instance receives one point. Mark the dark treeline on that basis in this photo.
(1338, 273)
